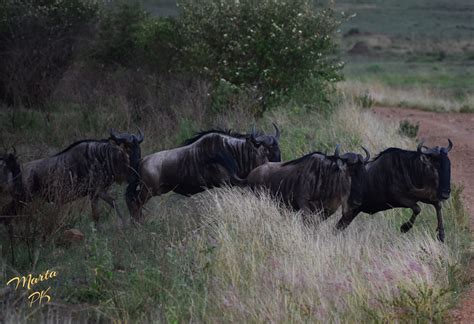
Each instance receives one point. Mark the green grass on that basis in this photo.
(451, 79)
(423, 45)
(436, 19)
(193, 255)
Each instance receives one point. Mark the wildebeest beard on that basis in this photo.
(444, 175)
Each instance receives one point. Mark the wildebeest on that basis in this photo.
(314, 182)
(84, 168)
(189, 169)
(401, 178)
(11, 186)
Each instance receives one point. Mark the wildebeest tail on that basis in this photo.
(133, 178)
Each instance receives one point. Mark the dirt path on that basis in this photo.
(435, 128)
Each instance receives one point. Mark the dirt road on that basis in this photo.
(435, 128)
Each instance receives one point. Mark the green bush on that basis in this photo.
(408, 129)
(37, 43)
(130, 37)
(270, 45)
(120, 30)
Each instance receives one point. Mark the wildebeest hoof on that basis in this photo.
(406, 227)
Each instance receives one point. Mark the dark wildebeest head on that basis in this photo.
(266, 145)
(10, 175)
(131, 144)
(355, 164)
(437, 167)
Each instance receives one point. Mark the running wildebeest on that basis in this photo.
(189, 169)
(85, 168)
(400, 178)
(314, 182)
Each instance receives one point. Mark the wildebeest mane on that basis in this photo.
(228, 132)
(304, 158)
(80, 142)
(395, 150)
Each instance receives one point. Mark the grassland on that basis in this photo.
(421, 52)
(228, 255)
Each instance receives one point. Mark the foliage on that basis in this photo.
(270, 45)
(366, 100)
(409, 129)
(119, 31)
(37, 43)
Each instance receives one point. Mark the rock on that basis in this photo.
(359, 48)
(71, 236)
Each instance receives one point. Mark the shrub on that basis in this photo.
(366, 100)
(37, 42)
(269, 45)
(119, 31)
(408, 129)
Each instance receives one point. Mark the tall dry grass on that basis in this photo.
(414, 97)
(264, 265)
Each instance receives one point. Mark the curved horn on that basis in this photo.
(450, 145)
(420, 146)
(277, 131)
(367, 154)
(113, 133)
(116, 136)
(14, 150)
(336, 151)
(140, 135)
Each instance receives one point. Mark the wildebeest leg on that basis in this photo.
(95, 209)
(439, 216)
(347, 218)
(408, 225)
(307, 212)
(143, 196)
(111, 201)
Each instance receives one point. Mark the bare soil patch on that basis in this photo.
(435, 128)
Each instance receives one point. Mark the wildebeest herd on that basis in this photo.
(315, 182)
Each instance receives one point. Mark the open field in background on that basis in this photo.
(421, 51)
(415, 54)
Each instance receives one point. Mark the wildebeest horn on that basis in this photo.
(450, 145)
(336, 151)
(116, 136)
(277, 131)
(367, 154)
(420, 146)
(140, 135)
